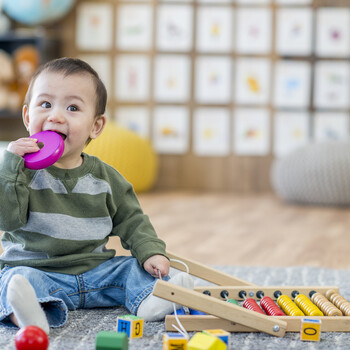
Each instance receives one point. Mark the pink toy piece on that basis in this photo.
(51, 151)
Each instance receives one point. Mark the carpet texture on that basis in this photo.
(83, 325)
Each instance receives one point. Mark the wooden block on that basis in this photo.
(174, 341)
(111, 341)
(219, 333)
(202, 341)
(213, 306)
(131, 325)
(310, 329)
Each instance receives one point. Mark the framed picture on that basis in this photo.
(102, 65)
(135, 119)
(333, 32)
(132, 78)
(253, 30)
(211, 132)
(331, 85)
(293, 2)
(331, 126)
(172, 34)
(174, 1)
(213, 80)
(134, 27)
(253, 2)
(251, 131)
(215, 1)
(214, 29)
(292, 84)
(291, 130)
(252, 83)
(94, 26)
(171, 129)
(172, 78)
(294, 31)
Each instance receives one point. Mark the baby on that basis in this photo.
(57, 221)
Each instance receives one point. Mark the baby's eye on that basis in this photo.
(72, 108)
(46, 104)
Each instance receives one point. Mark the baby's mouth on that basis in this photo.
(62, 135)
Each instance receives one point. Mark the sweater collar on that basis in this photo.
(81, 170)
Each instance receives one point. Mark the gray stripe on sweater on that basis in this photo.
(91, 185)
(43, 180)
(15, 251)
(67, 227)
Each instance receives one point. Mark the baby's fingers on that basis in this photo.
(23, 146)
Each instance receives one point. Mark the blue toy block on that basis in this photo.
(131, 325)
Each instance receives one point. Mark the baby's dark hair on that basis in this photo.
(69, 66)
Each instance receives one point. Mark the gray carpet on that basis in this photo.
(83, 325)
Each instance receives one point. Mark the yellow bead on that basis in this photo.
(288, 306)
(307, 306)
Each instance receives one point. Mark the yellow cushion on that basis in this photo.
(132, 155)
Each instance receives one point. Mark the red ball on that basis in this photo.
(31, 338)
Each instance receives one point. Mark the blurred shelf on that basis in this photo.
(48, 46)
(10, 114)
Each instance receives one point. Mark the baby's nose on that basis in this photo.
(56, 117)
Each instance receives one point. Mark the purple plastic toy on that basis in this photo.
(52, 149)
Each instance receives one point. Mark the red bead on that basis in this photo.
(251, 304)
(31, 338)
(269, 306)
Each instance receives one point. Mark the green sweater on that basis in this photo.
(59, 220)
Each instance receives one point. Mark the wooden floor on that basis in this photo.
(257, 230)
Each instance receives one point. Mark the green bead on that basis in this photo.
(111, 341)
(232, 301)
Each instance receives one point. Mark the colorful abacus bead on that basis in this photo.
(342, 304)
(232, 301)
(306, 305)
(324, 304)
(224, 294)
(251, 304)
(270, 307)
(287, 305)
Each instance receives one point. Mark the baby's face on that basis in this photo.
(65, 104)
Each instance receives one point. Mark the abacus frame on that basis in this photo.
(230, 317)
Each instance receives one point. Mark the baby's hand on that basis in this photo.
(157, 263)
(23, 146)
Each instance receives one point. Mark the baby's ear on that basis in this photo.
(98, 126)
(25, 116)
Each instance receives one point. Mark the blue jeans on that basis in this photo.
(118, 281)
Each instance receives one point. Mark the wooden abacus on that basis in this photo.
(212, 300)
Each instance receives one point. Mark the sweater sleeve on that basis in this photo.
(135, 229)
(14, 192)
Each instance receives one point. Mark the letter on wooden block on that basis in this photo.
(310, 329)
(174, 341)
(131, 325)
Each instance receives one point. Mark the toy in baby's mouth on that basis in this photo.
(51, 149)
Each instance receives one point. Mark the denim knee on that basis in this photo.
(55, 309)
